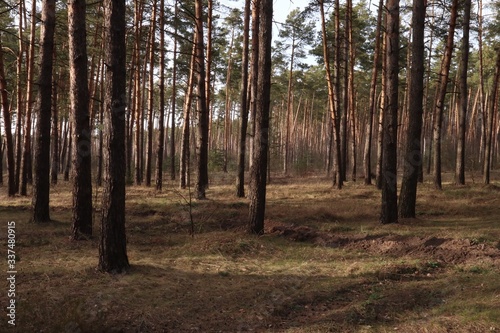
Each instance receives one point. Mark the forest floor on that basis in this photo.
(324, 264)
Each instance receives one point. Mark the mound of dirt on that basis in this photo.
(445, 250)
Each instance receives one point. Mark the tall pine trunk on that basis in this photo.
(203, 117)
(161, 124)
(43, 110)
(149, 148)
(258, 172)
(54, 164)
(185, 151)
(19, 97)
(80, 118)
(240, 178)
(113, 243)
(11, 189)
(389, 213)
(412, 159)
(464, 100)
(174, 100)
(493, 108)
(441, 94)
(331, 101)
(26, 154)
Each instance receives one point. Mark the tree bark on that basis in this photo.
(203, 117)
(67, 166)
(262, 100)
(161, 123)
(11, 189)
(80, 118)
(208, 66)
(26, 165)
(240, 179)
(412, 159)
(43, 110)
(20, 90)
(441, 94)
(138, 8)
(185, 151)
(227, 114)
(149, 148)
(389, 212)
(113, 243)
(332, 100)
(492, 110)
(464, 100)
(350, 89)
(174, 100)
(54, 166)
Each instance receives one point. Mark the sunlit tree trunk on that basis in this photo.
(161, 124)
(19, 91)
(331, 99)
(149, 154)
(174, 100)
(227, 114)
(100, 151)
(11, 189)
(493, 108)
(80, 118)
(26, 155)
(258, 172)
(69, 153)
(389, 212)
(464, 100)
(350, 89)
(208, 66)
(254, 75)
(412, 158)
(240, 179)
(54, 164)
(381, 115)
(138, 8)
(185, 151)
(203, 117)
(441, 94)
(338, 163)
(289, 109)
(481, 85)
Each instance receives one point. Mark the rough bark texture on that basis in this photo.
(113, 244)
(80, 118)
(185, 151)
(412, 159)
(202, 151)
(464, 100)
(441, 94)
(367, 161)
(337, 178)
(161, 122)
(261, 139)
(11, 189)
(489, 131)
(54, 166)
(43, 110)
(240, 178)
(149, 148)
(389, 213)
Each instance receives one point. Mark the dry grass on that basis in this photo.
(325, 264)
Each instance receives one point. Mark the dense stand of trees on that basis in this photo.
(331, 83)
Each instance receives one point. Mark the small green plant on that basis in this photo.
(433, 264)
